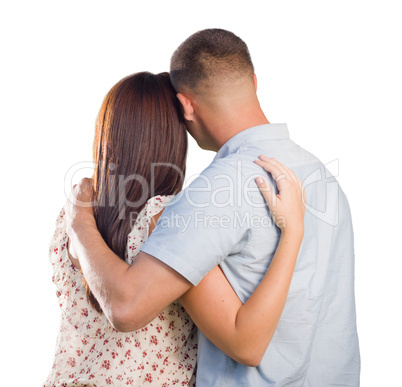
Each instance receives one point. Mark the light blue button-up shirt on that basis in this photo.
(221, 218)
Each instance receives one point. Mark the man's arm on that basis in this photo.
(130, 296)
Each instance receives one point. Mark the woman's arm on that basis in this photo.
(245, 331)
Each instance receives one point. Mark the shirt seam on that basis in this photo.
(318, 318)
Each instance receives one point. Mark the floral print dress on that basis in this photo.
(90, 352)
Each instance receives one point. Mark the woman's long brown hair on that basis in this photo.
(139, 151)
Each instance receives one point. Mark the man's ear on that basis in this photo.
(255, 82)
(188, 109)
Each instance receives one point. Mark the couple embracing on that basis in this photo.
(269, 286)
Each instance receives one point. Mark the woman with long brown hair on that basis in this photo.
(139, 153)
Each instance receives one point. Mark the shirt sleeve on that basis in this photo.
(203, 225)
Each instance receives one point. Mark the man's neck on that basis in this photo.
(227, 128)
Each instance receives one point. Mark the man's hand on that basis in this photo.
(79, 207)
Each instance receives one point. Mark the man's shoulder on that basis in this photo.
(236, 165)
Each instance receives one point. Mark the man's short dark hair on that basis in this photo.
(209, 55)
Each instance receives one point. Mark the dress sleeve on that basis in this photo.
(70, 292)
(139, 233)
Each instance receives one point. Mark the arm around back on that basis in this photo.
(130, 296)
(145, 289)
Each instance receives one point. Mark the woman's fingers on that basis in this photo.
(280, 170)
(276, 169)
(287, 208)
(285, 170)
(273, 168)
(275, 164)
(290, 175)
(266, 190)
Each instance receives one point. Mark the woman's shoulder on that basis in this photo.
(141, 224)
(158, 202)
(152, 207)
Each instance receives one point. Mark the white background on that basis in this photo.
(330, 69)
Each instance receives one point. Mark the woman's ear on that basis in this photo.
(255, 82)
(188, 109)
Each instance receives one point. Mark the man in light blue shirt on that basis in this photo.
(316, 341)
(224, 221)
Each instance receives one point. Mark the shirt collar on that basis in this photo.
(256, 133)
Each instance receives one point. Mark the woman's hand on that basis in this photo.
(288, 207)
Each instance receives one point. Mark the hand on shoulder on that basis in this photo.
(288, 206)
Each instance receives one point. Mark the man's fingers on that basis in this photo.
(81, 194)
